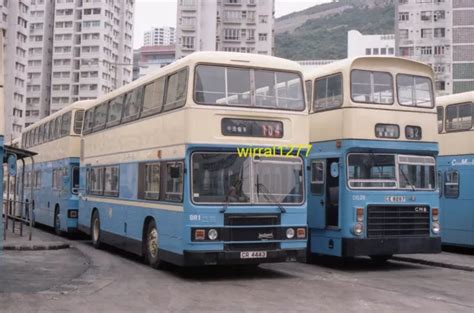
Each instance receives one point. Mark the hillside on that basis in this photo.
(320, 32)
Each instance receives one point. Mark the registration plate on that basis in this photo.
(253, 254)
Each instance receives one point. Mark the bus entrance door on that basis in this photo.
(332, 194)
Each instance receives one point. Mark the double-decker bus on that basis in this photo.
(52, 182)
(372, 188)
(456, 167)
(169, 173)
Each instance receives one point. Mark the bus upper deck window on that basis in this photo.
(232, 86)
(414, 91)
(371, 87)
(459, 116)
(65, 124)
(328, 92)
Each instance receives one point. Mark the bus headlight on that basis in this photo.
(212, 234)
(290, 233)
(435, 227)
(358, 229)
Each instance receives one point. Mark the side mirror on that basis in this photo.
(175, 172)
(335, 169)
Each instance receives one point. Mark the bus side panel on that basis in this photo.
(457, 227)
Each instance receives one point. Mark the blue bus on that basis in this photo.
(372, 189)
(54, 177)
(456, 168)
(192, 165)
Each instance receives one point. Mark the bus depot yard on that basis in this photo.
(83, 279)
(135, 175)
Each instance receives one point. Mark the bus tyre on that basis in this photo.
(152, 246)
(57, 222)
(380, 259)
(95, 230)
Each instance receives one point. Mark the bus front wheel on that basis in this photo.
(95, 230)
(152, 246)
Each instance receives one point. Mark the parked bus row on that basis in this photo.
(153, 167)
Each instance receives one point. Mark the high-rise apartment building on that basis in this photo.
(225, 25)
(440, 33)
(40, 57)
(14, 25)
(86, 53)
(159, 36)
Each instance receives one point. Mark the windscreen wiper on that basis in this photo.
(226, 202)
(268, 196)
(406, 178)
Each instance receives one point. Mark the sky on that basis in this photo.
(150, 13)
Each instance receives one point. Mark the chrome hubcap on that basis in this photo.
(153, 243)
(95, 229)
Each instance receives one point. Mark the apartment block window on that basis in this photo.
(263, 19)
(391, 51)
(403, 16)
(188, 42)
(439, 32)
(402, 1)
(383, 51)
(251, 34)
(425, 15)
(231, 34)
(368, 51)
(262, 36)
(403, 33)
(428, 50)
(406, 51)
(440, 85)
(375, 51)
(426, 33)
(439, 50)
(439, 68)
(439, 15)
(233, 15)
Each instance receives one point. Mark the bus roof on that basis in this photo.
(207, 57)
(76, 105)
(455, 98)
(367, 61)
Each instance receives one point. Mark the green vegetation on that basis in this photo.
(326, 37)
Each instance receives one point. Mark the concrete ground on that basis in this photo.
(20, 240)
(83, 279)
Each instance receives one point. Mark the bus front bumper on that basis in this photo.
(196, 258)
(390, 246)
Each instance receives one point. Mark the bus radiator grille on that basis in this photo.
(398, 221)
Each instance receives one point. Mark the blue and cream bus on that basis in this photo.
(54, 178)
(166, 172)
(372, 188)
(456, 168)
